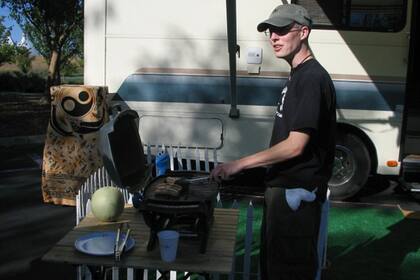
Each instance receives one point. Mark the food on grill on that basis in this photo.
(165, 189)
(107, 204)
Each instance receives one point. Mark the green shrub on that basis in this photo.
(73, 80)
(19, 82)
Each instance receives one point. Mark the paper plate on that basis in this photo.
(101, 243)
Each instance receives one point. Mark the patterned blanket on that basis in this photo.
(71, 146)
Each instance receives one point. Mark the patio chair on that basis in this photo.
(183, 158)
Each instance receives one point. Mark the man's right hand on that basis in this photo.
(225, 170)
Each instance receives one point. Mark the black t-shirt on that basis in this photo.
(306, 104)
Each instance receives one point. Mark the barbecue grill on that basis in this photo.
(183, 201)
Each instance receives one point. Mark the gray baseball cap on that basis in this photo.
(284, 15)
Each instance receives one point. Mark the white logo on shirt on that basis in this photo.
(279, 112)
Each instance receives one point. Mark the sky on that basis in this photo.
(9, 22)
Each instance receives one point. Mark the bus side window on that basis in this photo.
(362, 15)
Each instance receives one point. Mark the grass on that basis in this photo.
(373, 243)
(363, 243)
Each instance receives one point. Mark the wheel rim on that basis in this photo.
(344, 166)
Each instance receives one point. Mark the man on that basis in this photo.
(301, 152)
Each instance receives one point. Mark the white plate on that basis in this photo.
(101, 243)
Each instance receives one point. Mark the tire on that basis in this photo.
(352, 166)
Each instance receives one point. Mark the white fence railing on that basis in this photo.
(190, 159)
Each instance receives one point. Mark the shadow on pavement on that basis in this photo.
(385, 190)
(29, 227)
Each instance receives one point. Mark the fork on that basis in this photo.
(120, 248)
(117, 241)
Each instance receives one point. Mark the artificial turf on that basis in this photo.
(364, 242)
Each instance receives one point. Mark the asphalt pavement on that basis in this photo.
(29, 227)
(385, 190)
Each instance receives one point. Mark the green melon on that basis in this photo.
(107, 204)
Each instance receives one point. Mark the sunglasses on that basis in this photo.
(280, 31)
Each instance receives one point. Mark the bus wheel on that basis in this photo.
(351, 166)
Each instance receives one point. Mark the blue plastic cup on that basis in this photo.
(162, 163)
(168, 243)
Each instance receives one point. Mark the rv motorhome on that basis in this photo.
(200, 75)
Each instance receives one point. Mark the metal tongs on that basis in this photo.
(119, 248)
(194, 180)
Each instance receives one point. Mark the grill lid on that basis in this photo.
(122, 150)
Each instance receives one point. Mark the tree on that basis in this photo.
(23, 58)
(7, 50)
(55, 28)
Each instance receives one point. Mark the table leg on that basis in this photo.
(205, 275)
(164, 275)
(98, 272)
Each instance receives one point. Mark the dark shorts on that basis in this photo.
(288, 238)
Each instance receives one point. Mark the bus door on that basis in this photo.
(410, 137)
